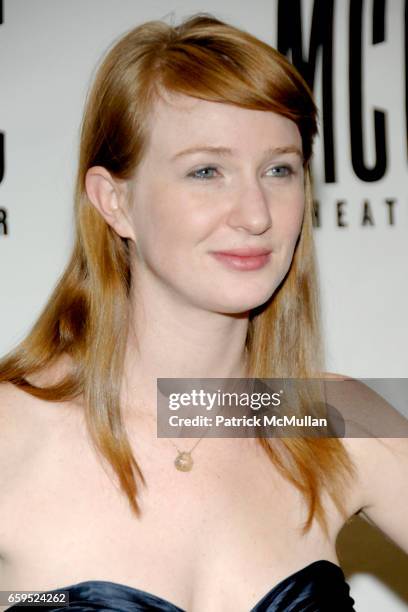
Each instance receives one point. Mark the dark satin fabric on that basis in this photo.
(318, 587)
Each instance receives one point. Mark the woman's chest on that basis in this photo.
(229, 528)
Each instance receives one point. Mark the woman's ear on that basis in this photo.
(108, 195)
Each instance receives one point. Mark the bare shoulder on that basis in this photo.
(335, 376)
(27, 424)
(20, 435)
(21, 429)
(366, 413)
(16, 418)
(376, 439)
(20, 411)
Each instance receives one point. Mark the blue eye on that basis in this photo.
(281, 171)
(204, 173)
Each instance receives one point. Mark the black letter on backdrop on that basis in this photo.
(341, 222)
(3, 222)
(390, 203)
(356, 93)
(321, 38)
(316, 214)
(367, 214)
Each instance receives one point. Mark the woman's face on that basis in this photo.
(216, 178)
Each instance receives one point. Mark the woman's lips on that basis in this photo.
(243, 262)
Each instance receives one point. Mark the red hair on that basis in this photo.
(87, 315)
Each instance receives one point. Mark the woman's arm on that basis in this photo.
(377, 439)
(384, 470)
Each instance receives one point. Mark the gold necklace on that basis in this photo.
(184, 461)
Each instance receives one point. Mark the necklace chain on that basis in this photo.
(191, 449)
(184, 461)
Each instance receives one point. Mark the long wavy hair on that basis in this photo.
(87, 315)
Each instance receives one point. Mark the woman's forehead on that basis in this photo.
(180, 122)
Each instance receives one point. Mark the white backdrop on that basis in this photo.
(48, 53)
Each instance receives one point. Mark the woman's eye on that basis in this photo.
(280, 171)
(207, 172)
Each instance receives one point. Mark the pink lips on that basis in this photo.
(246, 258)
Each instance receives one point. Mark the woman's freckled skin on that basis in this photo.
(184, 207)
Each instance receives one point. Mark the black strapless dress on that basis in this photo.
(318, 587)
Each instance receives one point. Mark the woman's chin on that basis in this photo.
(239, 305)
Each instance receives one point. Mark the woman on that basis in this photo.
(193, 259)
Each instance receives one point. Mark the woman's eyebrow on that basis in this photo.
(226, 151)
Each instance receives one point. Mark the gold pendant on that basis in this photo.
(184, 461)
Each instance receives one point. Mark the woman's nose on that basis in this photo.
(250, 209)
